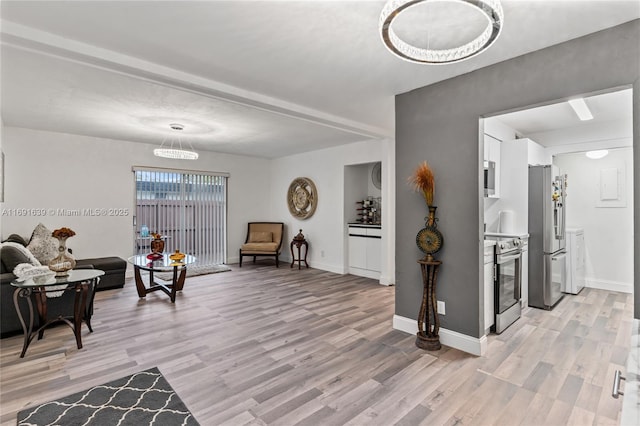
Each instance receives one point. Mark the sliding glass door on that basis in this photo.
(188, 208)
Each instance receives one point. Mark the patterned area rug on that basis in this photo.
(144, 398)
(194, 270)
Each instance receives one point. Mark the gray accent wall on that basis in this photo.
(440, 124)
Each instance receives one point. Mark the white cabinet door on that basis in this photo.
(358, 252)
(489, 312)
(580, 262)
(524, 293)
(374, 258)
(486, 148)
(492, 148)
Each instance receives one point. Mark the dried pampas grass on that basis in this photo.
(423, 181)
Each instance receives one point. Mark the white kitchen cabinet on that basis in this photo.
(357, 251)
(374, 249)
(524, 293)
(365, 251)
(492, 147)
(575, 281)
(489, 311)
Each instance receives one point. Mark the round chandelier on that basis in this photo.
(175, 153)
(490, 9)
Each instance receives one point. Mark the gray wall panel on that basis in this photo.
(439, 123)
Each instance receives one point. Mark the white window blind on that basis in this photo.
(188, 207)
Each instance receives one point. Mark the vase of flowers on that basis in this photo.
(64, 262)
(429, 239)
(157, 243)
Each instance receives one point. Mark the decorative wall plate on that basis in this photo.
(429, 240)
(302, 198)
(376, 175)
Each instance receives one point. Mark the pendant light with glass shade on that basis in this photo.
(177, 153)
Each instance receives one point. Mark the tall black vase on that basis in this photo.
(429, 239)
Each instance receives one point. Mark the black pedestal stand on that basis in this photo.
(428, 322)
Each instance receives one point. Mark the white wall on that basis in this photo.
(326, 229)
(3, 171)
(608, 232)
(537, 154)
(498, 130)
(46, 170)
(355, 188)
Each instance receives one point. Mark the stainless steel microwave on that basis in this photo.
(489, 178)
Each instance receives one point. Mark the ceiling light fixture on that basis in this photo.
(582, 110)
(491, 10)
(597, 154)
(175, 153)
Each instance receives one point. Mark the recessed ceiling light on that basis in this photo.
(600, 153)
(581, 109)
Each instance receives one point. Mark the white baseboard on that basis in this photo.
(336, 269)
(364, 273)
(386, 280)
(286, 260)
(326, 267)
(619, 286)
(473, 345)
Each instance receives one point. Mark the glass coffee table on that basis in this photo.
(82, 281)
(163, 264)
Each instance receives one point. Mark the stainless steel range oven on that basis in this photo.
(508, 283)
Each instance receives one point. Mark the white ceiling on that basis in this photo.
(264, 78)
(557, 124)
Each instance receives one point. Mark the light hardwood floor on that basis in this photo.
(260, 345)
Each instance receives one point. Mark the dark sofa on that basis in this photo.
(114, 268)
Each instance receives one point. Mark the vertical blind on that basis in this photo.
(188, 208)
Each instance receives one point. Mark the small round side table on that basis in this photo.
(299, 241)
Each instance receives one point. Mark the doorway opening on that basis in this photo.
(599, 192)
(364, 218)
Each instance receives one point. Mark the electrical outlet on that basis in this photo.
(441, 308)
(321, 253)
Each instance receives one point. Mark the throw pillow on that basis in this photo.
(13, 254)
(261, 237)
(15, 238)
(43, 246)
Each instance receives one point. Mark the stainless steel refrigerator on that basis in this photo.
(547, 254)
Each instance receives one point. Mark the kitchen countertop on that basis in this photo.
(365, 225)
(631, 386)
(489, 243)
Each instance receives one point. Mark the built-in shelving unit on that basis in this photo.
(365, 247)
(368, 211)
